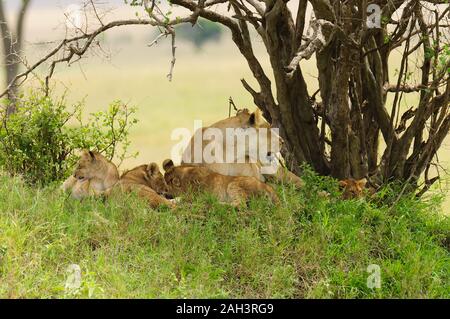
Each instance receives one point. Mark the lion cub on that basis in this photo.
(352, 188)
(94, 175)
(232, 189)
(148, 182)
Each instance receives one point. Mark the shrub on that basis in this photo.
(39, 141)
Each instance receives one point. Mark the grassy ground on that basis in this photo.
(308, 247)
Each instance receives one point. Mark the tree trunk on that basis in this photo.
(12, 47)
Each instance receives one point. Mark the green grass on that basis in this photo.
(309, 247)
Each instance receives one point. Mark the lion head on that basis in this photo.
(155, 179)
(173, 181)
(352, 188)
(88, 166)
(148, 175)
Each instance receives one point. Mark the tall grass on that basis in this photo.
(308, 247)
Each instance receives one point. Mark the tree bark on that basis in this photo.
(12, 50)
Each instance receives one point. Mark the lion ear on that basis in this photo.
(256, 119)
(343, 183)
(153, 169)
(91, 154)
(167, 164)
(244, 111)
(362, 182)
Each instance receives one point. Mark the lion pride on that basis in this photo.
(235, 190)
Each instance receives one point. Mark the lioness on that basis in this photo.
(94, 175)
(244, 167)
(232, 189)
(148, 182)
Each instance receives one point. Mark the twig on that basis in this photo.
(172, 62)
(231, 104)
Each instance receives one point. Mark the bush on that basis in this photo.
(39, 141)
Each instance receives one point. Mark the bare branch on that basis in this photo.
(68, 45)
(319, 34)
(172, 62)
(404, 88)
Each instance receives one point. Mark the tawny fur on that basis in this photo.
(244, 119)
(236, 190)
(148, 182)
(352, 188)
(94, 176)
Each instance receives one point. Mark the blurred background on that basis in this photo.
(207, 72)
